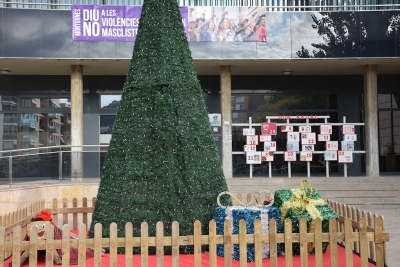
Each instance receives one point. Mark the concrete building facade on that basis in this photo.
(58, 91)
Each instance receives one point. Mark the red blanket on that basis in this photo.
(187, 260)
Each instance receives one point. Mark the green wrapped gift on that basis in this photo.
(304, 203)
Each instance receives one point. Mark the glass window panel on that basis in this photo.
(395, 100)
(45, 102)
(384, 100)
(32, 130)
(106, 123)
(8, 103)
(110, 101)
(283, 102)
(385, 130)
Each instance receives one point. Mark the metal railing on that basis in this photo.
(51, 165)
(271, 5)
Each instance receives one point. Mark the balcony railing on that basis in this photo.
(8, 137)
(54, 143)
(29, 122)
(28, 137)
(8, 100)
(54, 115)
(9, 120)
(272, 5)
(52, 128)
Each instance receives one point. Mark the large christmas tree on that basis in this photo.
(162, 163)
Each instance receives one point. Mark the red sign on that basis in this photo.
(268, 128)
(298, 117)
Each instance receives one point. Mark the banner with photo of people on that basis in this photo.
(227, 24)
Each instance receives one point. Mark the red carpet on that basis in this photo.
(187, 260)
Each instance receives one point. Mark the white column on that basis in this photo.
(226, 115)
(371, 120)
(76, 122)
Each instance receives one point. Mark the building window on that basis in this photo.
(109, 101)
(45, 102)
(106, 123)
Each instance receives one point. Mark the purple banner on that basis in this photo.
(202, 24)
(108, 23)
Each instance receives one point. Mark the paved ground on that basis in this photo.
(391, 224)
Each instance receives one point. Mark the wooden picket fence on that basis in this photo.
(355, 235)
(20, 217)
(343, 211)
(355, 214)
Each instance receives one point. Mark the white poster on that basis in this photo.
(325, 129)
(308, 139)
(270, 146)
(248, 131)
(249, 148)
(307, 148)
(324, 137)
(253, 157)
(290, 156)
(332, 145)
(305, 156)
(348, 145)
(348, 129)
(267, 156)
(265, 138)
(292, 146)
(286, 128)
(252, 139)
(293, 137)
(345, 156)
(350, 137)
(330, 155)
(215, 119)
(305, 129)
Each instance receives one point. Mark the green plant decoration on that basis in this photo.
(162, 163)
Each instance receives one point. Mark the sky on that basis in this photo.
(107, 99)
(288, 31)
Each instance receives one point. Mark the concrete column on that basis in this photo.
(226, 116)
(76, 122)
(371, 120)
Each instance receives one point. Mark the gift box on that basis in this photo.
(304, 203)
(249, 214)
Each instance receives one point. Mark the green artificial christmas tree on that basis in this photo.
(162, 163)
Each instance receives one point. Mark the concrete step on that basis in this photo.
(350, 200)
(350, 189)
(377, 206)
(325, 191)
(360, 192)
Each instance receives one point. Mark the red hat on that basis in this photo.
(44, 215)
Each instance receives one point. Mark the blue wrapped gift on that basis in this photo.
(249, 214)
